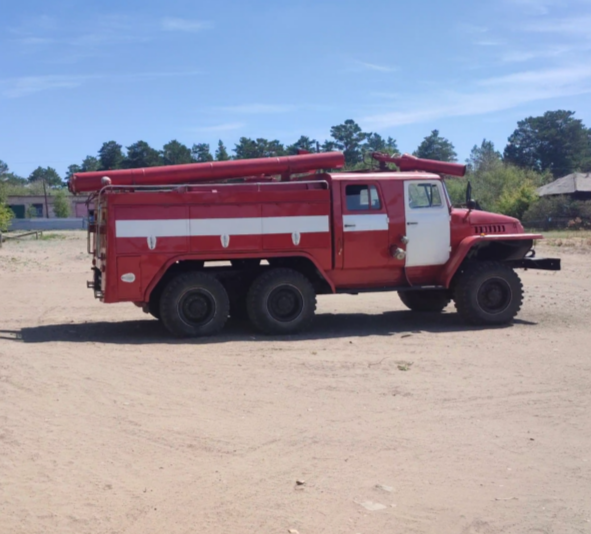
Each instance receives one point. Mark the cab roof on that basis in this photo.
(361, 176)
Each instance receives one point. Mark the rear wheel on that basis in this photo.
(425, 301)
(154, 307)
(194, 304)
(281, 301)
(488, 292)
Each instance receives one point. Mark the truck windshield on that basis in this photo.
(424, 195)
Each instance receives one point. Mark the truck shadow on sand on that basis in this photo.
(326, 326)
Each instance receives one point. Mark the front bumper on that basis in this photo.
(544, 264)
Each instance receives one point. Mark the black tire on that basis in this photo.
(194, 304)
(425, 301)
(154, 307)
(281, 301)
(488, 293)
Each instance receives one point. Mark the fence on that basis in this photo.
(559, 223)
(29, 225)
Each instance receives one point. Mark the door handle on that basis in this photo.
(411, 223)
(350, 225)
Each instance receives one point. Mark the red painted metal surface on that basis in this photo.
(406, 162)
(144, 233)
(194, 212)
(199, 172)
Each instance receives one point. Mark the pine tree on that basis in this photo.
(221, 154)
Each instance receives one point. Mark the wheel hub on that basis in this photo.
(197, 307)
(285, 303)
(494, 296)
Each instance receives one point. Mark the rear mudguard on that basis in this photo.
(156, 279)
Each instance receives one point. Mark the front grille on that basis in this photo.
(490, 229)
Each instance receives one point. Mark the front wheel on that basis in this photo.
(194, 304)
(154, 308)
(488, 293)
(281, 301)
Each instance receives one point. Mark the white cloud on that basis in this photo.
(34, 25)
(473, 29)
(156, 74)
(226, 127)
(172, 24)
(27, 85)
(543, 53)
(568, 26)
(537, 7)
(87, 40)
(82, 38)
(559, 77)
(385, 94)
(374, 66)
(488, 96)
(105, 38)
(36, 41)
(488, 42)
(257, 109)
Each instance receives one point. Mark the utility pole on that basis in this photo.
(45, 194)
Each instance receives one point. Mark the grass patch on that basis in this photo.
(51, 237)
(580, 239)
(565, 234)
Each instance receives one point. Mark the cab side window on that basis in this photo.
(362, 198)
(424, 196)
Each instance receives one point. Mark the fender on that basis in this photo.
(469, 243)
(162, 271)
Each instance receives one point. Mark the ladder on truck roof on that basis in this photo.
(261, 169)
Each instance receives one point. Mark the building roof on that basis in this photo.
(573, 183)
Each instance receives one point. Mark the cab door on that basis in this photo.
(365, 227)
(427, 223)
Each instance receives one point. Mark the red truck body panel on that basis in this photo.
(149, 231)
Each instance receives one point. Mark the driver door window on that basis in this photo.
(362, 198)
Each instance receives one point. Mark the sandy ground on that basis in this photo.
(397, 423)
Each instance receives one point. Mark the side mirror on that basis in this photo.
(471, 204)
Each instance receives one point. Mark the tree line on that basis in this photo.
(540, 149)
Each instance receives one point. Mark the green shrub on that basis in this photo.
(456, 187)
(515, 202)
(61, 205)
(558, 212)
(499, 188)
(6, 215)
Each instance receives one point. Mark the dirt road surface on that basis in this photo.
(396, 423)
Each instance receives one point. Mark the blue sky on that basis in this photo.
(74, 74)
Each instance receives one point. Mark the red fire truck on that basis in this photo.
(194, 244)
